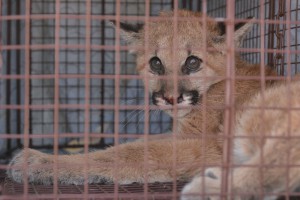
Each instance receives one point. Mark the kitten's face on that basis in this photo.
(179, 73)
(181, 65)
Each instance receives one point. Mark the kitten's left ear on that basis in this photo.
(129, 32)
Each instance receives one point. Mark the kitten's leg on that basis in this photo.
(271, 178)
(204, 187)
(124, 163)
(253, 180)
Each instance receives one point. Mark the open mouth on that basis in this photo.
(186, 98)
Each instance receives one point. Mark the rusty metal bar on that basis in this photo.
(271, 33)
(229, 94)
(8, 71)
(117, 93)
(102, 142)
(27, 96)
(87, 95)
(56, 96)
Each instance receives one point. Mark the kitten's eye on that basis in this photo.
(192, 64)
(156, 65)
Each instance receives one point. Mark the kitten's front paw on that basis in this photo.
(204, 188)
(39, 168)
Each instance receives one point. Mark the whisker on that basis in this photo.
(130, 100)
(156, 115)
(130, 115)
(134, 114)
(140, 119)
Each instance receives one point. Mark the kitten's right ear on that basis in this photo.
(240, 31)
(129, 32)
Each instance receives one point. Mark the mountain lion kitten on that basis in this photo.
(273, 141)
(200, 97)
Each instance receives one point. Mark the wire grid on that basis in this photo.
(160, 191)
(72, 89)
(245, 9)
(102, 62)
(76, 77)
(291, 40)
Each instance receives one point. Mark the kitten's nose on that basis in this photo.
(170, 100)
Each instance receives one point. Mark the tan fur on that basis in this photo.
(162, 159)
(271, 142)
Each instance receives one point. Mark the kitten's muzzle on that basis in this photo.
(192, 96)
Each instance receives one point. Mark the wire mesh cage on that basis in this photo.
(70, 84)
